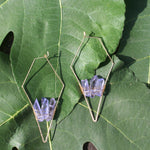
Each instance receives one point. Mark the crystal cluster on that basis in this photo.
(95, 88)
(45, 112)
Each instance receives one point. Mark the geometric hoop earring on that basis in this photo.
(96, 86)
(48, 108)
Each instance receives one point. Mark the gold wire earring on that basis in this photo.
(48, 108)
(97, 85)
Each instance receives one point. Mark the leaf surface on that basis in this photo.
(135, 42)
(123, 124)
(11, 102)
(57, 27)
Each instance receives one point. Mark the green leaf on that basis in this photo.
(2, 1)
(135, 43)
(57, 27)
(18, 128)
(104, 69)
(11, 102)
(123, 124)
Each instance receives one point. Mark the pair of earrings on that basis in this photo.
(48, 107)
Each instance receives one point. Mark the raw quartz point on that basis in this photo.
(46, 111)
(51, 107)
(45, 107)
(95, 88)
(86, 88)
(38, 111)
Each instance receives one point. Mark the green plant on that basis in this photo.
(58, 26)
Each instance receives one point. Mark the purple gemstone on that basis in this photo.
(45, 107)
(85, 87)
(92, 85)
(98, 87)
(52, 104)
(38, 111)
(93, 81)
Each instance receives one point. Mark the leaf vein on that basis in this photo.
(118, 129)
(14, 115)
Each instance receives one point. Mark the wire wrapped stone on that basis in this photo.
(45, 112)
(95, 88)
(86, 88)
(51, 108)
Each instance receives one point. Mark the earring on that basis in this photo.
(97, 85)
(48, 107)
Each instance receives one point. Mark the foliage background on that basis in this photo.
(124, 120)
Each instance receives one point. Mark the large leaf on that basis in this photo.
(135, 42)
(123, 124)
(17, 123)
(11, 102)
(58, 26)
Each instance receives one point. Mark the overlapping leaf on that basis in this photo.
(123, 124)
(135, 42)
(57, 27)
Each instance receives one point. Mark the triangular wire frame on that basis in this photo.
(44, 57)
(94, 119)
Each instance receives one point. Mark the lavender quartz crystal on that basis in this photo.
(45, 112)
(95, 88)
